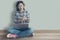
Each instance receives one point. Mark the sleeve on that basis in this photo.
(27, 15)
(15, 19)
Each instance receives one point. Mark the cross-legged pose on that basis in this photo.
(20, 26)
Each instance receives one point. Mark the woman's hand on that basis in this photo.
(25, 18)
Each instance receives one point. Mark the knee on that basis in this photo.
(30, 30)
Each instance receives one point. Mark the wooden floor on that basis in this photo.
(37, 36)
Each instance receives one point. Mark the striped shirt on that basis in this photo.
(18, 18)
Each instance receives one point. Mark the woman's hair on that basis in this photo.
(18, 2)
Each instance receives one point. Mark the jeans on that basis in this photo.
(20, 33)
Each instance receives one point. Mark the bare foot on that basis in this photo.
(11, 35)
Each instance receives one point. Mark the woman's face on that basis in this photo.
(20, 6)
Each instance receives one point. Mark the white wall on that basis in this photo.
(45, 14)
(6, 7)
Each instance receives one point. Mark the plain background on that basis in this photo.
(44, 14)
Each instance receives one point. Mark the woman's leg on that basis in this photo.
(13, 33)
(27, 32)
(20, 33)
(12, 30)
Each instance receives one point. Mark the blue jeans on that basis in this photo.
(20, 33)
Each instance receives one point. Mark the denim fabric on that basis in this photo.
(19, 32)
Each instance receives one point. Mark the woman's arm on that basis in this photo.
(26, 17)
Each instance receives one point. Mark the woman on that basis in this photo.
(20, 23)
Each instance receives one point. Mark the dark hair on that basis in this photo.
(18, 2)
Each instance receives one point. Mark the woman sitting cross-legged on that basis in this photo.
(20, 26)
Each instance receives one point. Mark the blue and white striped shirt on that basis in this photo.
(19, 16)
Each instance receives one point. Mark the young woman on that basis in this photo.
(20, 26)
